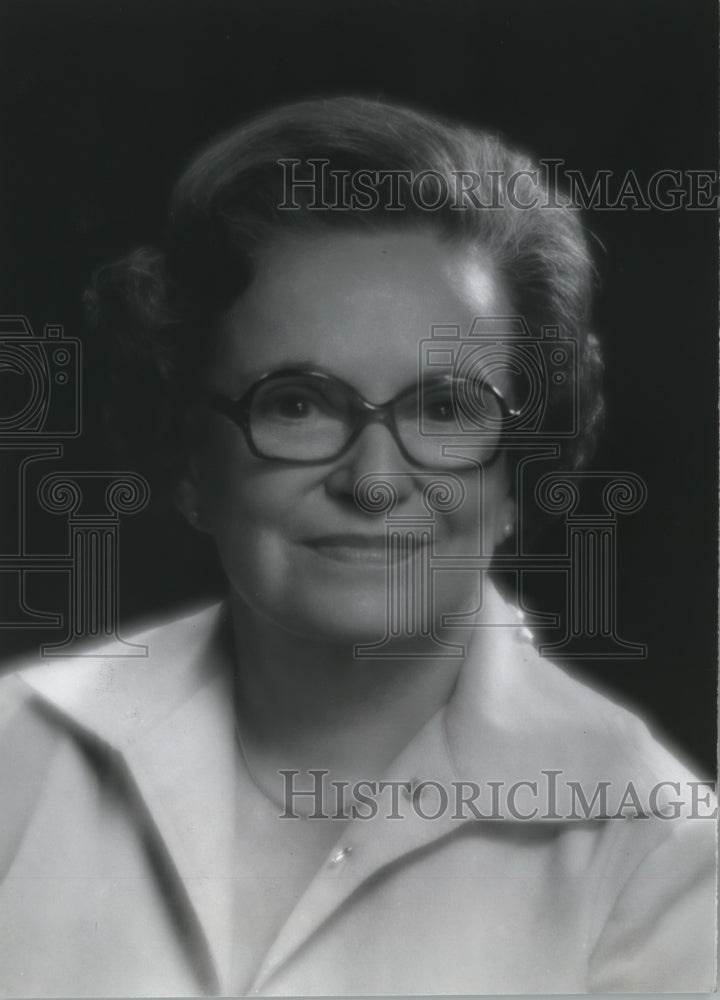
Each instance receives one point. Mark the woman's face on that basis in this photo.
(296, 547)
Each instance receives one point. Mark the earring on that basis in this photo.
(508, 529)
(193, 517)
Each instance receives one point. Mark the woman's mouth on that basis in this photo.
(369, 549)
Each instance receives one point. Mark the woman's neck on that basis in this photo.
(303, 704)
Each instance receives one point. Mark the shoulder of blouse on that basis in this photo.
(118, 690)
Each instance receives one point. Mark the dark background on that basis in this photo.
(102, 103)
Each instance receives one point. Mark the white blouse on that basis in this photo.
(138, 858)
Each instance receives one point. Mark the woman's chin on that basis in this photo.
(361, 618)
(350, 608)
(341, 622)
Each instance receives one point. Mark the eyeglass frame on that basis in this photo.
(365, 413)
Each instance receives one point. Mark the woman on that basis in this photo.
(298, 792)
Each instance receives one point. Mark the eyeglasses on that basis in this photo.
(302, 416)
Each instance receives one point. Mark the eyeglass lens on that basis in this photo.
(304, 418)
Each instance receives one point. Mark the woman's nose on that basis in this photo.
(375, 452)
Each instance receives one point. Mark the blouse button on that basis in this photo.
(339, 856)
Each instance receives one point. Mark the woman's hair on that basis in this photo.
(157, 308)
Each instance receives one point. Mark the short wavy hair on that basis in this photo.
(157, 308)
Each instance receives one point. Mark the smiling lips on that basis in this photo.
(373, 549)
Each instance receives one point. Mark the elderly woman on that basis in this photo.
(293, 794)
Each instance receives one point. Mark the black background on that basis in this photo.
(102, 103)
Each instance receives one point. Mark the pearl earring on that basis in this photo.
(193, 517)
(508, 529)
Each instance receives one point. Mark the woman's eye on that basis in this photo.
(440, 410)
(294, 406)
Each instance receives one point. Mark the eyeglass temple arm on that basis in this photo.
(235, 409)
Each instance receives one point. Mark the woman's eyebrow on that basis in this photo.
(242, 381)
